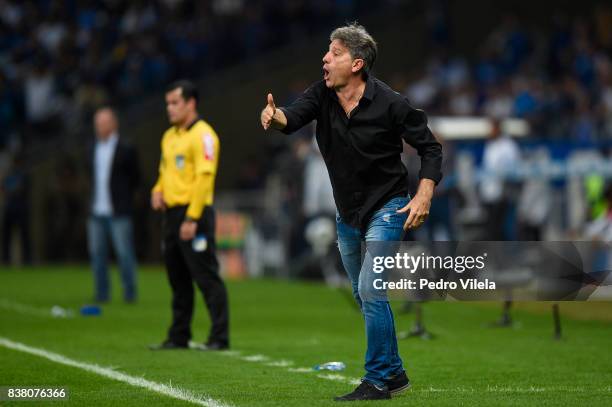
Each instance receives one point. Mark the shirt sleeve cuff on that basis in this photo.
(431, 173)
(194, 213)
(290, 119)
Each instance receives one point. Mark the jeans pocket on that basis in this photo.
(393, 205)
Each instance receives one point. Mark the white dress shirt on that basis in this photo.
(501, 156)
(103, 162)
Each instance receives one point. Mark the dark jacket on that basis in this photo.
(125, 177)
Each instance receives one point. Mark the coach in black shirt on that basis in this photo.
(362, 148)
(361, 123)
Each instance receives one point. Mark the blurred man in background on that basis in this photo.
(184, 191)
(115, 176)
(501, 156)
(361, 123)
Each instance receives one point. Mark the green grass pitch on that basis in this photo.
(281, 328)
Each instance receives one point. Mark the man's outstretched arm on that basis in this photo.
(295, 116)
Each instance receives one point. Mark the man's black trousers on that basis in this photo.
(194, 261)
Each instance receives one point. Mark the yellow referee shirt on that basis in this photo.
(187, 167)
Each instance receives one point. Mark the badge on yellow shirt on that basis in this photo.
(209, 146)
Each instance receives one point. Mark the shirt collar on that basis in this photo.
(178, 129)
(197, 119)
(110, 141)
(370, 89)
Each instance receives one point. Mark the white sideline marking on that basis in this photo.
(288, 365)
(165, 389)
(256, 358)
(233, 353)
(300, 370)
(186, 395)
(280, 363)
(339, 378)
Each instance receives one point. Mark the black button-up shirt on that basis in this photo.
(362, 152)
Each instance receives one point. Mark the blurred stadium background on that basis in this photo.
(545, 65)
(543, 69)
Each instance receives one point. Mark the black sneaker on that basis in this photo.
(398, 383)
(366, 391)
(167, 345)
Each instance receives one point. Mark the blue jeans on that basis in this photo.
(119, 229)
(382, 360)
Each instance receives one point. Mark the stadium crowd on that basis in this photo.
(60, 59)
(558, 77)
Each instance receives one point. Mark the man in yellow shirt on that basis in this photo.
(184, 192)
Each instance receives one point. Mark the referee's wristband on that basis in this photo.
(190, 219)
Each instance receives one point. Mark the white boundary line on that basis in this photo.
(186, 395)
(339, 378)
(165, 389)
